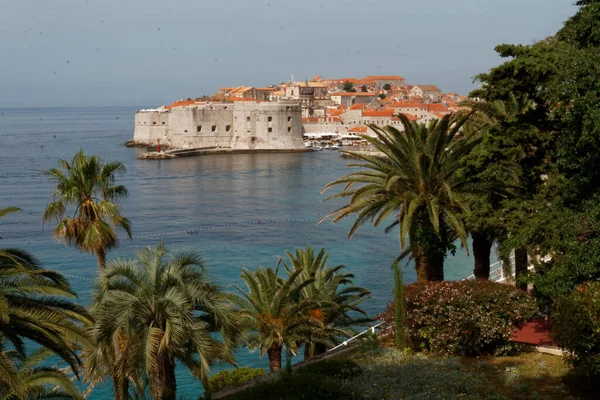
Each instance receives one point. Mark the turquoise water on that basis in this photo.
(212, 204)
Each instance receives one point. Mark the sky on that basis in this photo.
(151, 52)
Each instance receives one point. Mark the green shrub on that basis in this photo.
(321, 380)
(464, 318)
(576, 327)
(233, 377)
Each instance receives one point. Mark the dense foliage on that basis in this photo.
(233, 377)
(315, 381)
(576, 327)
(85, 204)
(156, 310)
(415, 180)
(464, 318)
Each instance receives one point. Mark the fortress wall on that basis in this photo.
(204, 126)
(150, 126)
(267, 126)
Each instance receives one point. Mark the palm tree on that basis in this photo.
(155, 310)
(269, 311)
(87, 185)
(28, 380)
(335, 297)
(415, 178)
(35, 305)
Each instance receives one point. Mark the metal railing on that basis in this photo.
(345, 342)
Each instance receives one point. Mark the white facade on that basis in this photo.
(243, 125)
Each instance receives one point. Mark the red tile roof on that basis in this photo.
(358, 129)
(380, 113)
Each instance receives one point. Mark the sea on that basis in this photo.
(242, 210)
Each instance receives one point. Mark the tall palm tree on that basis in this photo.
(158, 309)
(29, 380)
(414, 178)
(335, 297)
(36, 305)
(85, 204)
(270, 312)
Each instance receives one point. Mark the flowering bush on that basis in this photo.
(576, 327)
(464, 318)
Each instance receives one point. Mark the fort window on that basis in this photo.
(289, 119)
(289, 129)
(185, 131)
(199, 128)
(154, 123)
(270, 129)
(213, 128)
(227, 128)
(248, 119)
(270, 119)
(163, 122)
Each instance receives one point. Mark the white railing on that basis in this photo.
(345, 342)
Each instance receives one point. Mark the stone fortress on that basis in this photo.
(239, 126)
(279, 117)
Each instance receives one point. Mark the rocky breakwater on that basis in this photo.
(154, 155)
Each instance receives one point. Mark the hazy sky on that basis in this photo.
(150, 52)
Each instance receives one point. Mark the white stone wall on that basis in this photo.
(240, 125)
(151, 126)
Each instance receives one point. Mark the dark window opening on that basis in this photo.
(289, 119)
(214, 128)
(248, 119)
(289, 129)
(227, 128)
(270, 119)
(154, 123)
(199, 128)
(270, 129)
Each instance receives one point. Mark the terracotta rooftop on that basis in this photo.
(358, 129)
(380, 113)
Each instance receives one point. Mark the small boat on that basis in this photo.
(328, 147)
(317, 148)
(307, 144)
(335, 147)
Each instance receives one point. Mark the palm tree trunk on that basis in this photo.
(320, 348)
(482, 248)
(429, 268)
(521, 265)
(274, 354)
(101, 257)
(164, 384)
(121, 386)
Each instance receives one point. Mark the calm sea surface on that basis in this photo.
(212, 204)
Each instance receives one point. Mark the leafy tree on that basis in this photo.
(387, 86)
(162, 308)
(382, 96)
(23, 378)
(415, 179)
(36, 305)
(87, 185)
(560, 175)
(335, 297)
(348, 87)
(269, 312)
(364, 89)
